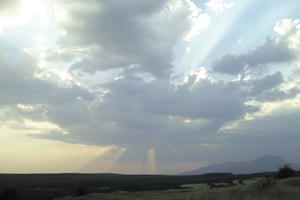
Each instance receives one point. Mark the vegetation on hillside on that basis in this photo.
(285, 172)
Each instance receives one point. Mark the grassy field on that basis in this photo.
(51, 186)
(288, 189)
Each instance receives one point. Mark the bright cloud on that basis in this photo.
(218, 6)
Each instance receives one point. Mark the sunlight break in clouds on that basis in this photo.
(151, 162)
(22, 12)
(218, 6)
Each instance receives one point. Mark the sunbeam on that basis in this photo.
(105, 162)
(151, 162)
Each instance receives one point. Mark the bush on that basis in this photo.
(212, 185)
(229, 182)
(285, 172)
(266, 184)
(81, 191)
(241, 182)
(9, 194)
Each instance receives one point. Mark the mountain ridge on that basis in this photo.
(264, 163)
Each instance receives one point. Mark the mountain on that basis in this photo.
(265, 163)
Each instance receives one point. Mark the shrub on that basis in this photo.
(212, 185)
(241, 182)
(230, 182)
(81, 191)
(9, 194)
(266, 184)
(285, 172)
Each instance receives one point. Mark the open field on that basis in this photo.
(288, 189)
(48, 186)
(52, 186)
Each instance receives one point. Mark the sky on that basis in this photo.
(147, 87)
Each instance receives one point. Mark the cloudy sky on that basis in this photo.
(139, 86)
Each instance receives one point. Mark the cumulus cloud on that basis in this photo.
(273, 51)
(131, 111)
(278, 95)
(218, 6)
(137, 111)
(135, 114)
(25, 95)
(266, 83)
(229, 64)
(135, 34)
(202, 99)
(20, 86)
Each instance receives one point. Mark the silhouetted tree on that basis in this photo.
(81, 191)
(285, 172)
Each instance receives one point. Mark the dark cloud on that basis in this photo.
(20, 85)
(273, 51)
(22, 90)
(139, 115)
(266, 83)
(229, 64)
(155, 114)
(278, 95)
(276, 133)
(135, 34)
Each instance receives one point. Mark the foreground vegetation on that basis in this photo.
(267, 189)
(51, 186)
(110, 186)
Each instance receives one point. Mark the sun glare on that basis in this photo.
(27, 11)
(33, 9)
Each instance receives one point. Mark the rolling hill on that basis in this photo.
(265, 163)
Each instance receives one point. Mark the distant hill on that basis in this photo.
(265, 163)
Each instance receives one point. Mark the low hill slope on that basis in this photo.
(263, 164)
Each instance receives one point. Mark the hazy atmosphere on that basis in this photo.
(147, 86)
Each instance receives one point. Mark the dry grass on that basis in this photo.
(288, 189)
